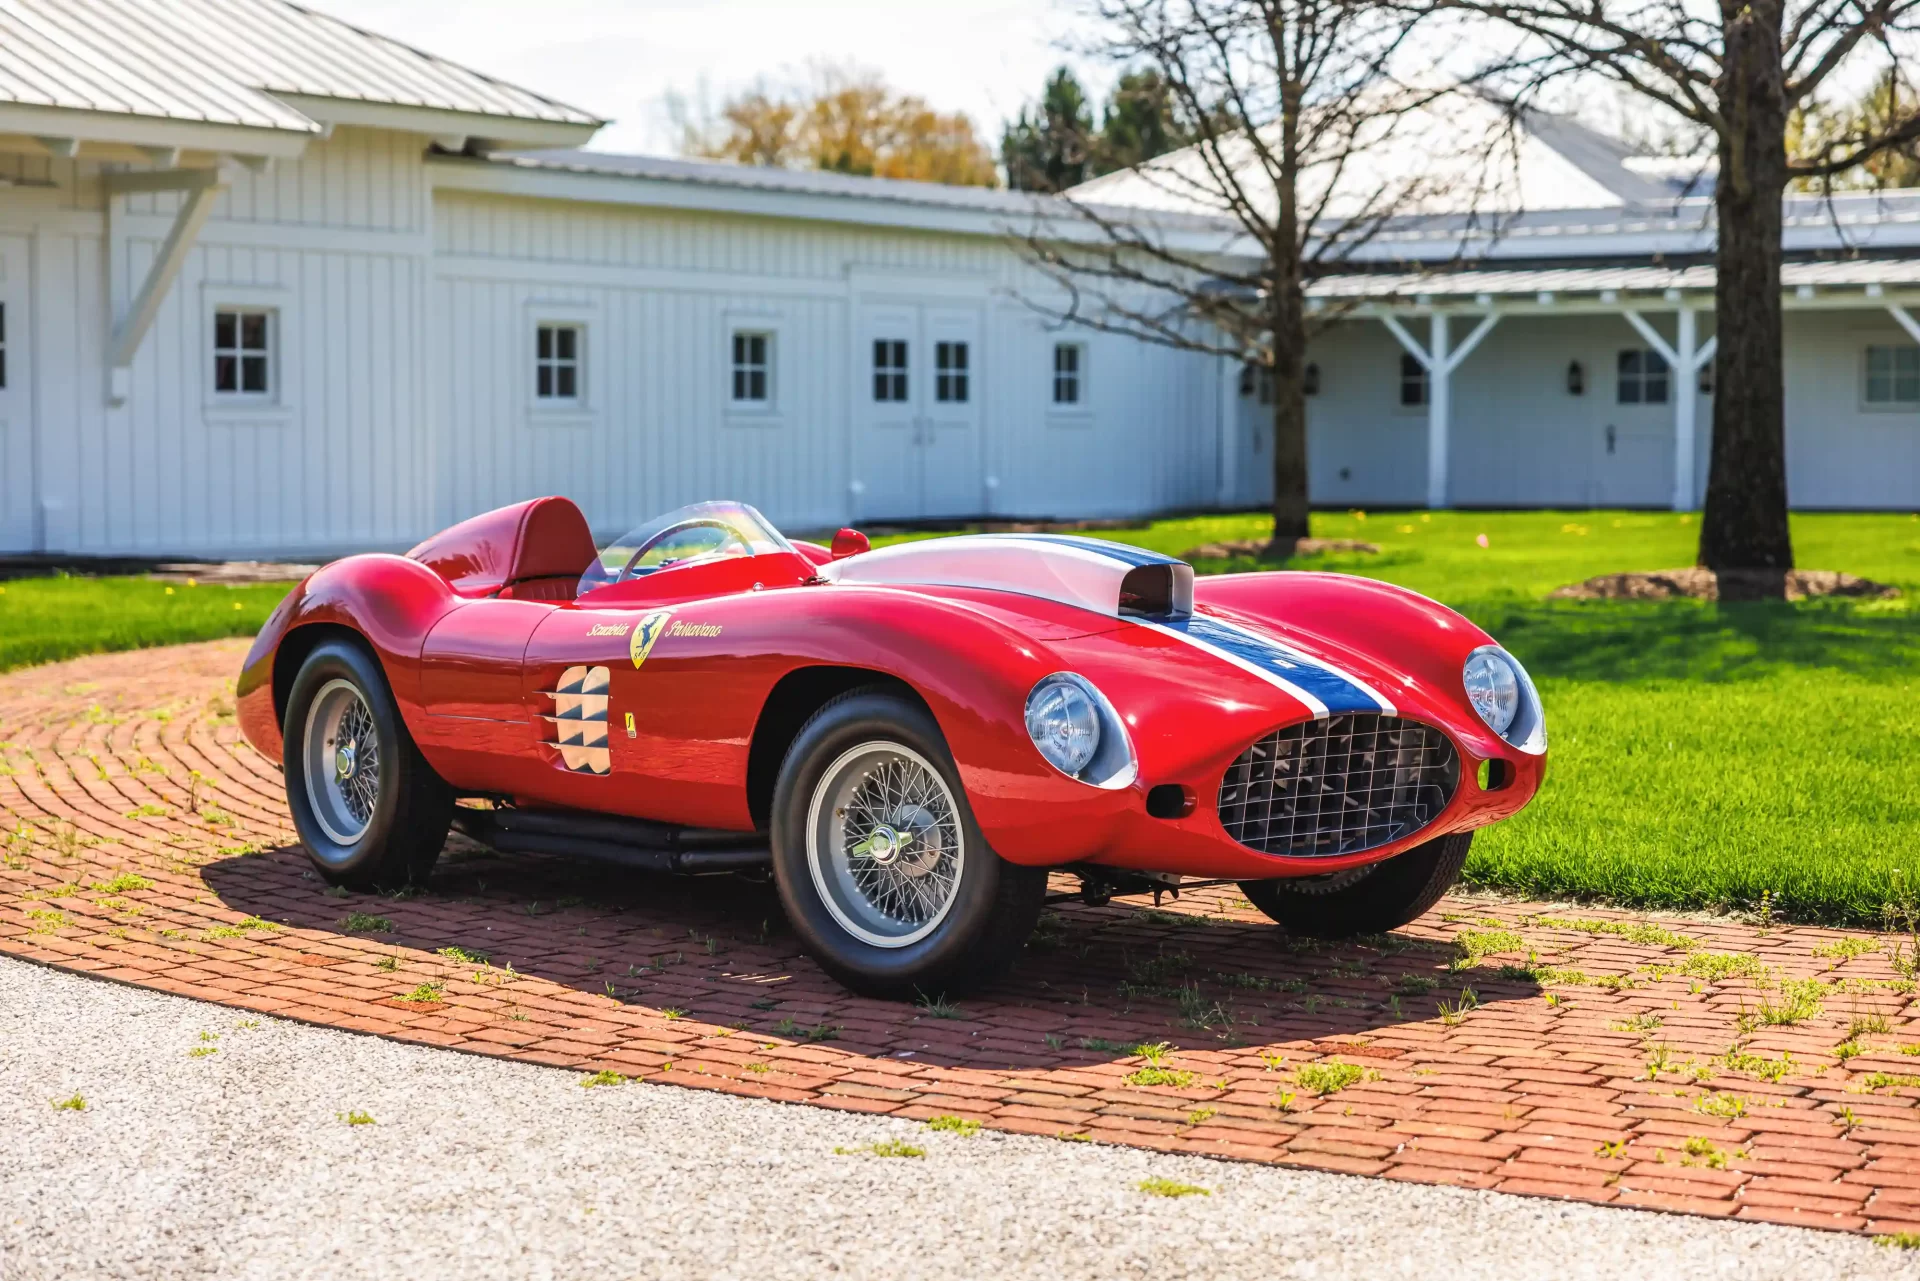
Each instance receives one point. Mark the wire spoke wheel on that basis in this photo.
(884, 844)
(342, 760)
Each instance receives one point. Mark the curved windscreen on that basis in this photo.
(698, 531)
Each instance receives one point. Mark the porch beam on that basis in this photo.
(201, 188)
(1906, 320)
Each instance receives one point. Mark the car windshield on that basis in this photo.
(698, 531)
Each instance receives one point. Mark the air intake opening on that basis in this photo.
(1495, 775)
(1338, 786)
(1169, 800)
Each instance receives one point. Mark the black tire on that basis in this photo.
(412, 807)
(1384, 897)
(990, 912)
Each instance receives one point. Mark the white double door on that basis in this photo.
(17, 524)
(917, 392)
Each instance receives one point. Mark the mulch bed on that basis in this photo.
(1267, 549)
(1699, 583)
(1704, 1067)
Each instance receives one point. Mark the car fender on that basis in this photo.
(388, 601)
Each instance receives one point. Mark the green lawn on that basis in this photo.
(44, 619)
(1702, 755)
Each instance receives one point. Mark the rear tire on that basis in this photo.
(1384, 897)
(881, 867)
(370, 811)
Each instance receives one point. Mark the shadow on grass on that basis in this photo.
(1093, 984)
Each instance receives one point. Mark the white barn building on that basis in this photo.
(271, 285)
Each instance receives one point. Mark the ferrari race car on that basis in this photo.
(909, 738)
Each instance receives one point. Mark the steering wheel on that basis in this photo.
(732, 540)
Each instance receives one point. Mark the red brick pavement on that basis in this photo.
(1586, 1059)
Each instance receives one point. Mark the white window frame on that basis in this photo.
(553, 363)
(1892, 405)
(276, 404)
(767, 368)
(904, 371)
(954, 377)
(1411, 371)
(555, 411)
(1077, 377)
(1646, 354)
(753, 320)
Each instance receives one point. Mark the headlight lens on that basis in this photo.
(1492, 679)
(1063, 723)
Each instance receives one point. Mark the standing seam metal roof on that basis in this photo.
(220, 61)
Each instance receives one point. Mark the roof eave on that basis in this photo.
(438, 122)
(117, 128)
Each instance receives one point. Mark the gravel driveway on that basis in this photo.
(240, 1162)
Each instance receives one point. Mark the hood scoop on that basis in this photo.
(1114, 579)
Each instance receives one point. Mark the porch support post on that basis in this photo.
(1685, 358)
(1439, 359)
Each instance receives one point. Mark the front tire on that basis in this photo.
(1383, 896)
(881, 867)
(370, 811)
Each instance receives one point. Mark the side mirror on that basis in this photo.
(849, 542)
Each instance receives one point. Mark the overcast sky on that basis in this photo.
(620, 58)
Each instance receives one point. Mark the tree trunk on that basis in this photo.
(1744, 526)
(1287, 325)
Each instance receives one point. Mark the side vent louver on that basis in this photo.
(578, 727)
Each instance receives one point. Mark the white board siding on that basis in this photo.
(356, 180)
(1840, 453)
(342, 466)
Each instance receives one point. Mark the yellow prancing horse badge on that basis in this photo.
(645, 633)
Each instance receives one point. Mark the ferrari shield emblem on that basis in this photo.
(645, 633)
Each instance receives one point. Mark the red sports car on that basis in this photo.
(910, 738)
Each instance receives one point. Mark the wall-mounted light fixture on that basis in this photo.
(1576, 379)
(1310, 380)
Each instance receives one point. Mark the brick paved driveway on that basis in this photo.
(1680, 1065)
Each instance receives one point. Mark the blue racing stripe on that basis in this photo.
(1331, 686)
(1134, 556)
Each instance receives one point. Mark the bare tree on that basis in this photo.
(1741, 70)
(1289, 108)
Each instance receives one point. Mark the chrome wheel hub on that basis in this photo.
(884, 844)
(341, 753)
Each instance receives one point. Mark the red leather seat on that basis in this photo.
(534, 550)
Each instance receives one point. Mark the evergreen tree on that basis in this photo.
(1048, 147)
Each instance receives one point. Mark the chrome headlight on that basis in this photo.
(1076, 729)
(1503, 695)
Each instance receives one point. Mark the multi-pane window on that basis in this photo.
(889, 369)
(1893, 376)
(243, 351)
(752, 368)
(950, 372)
(1643, 377)
(557, 352)
(1413, 381)
(1068, 363)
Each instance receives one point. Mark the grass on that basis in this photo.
(1703, 755)
(356, 1117)
(886, 1147)
(965, 1127)
(605, 1076)
(1170, 1188)
(73, 1104)
(1330, 1076)
(361, 923)
(46, 619)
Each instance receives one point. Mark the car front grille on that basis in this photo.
(1338, 786)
